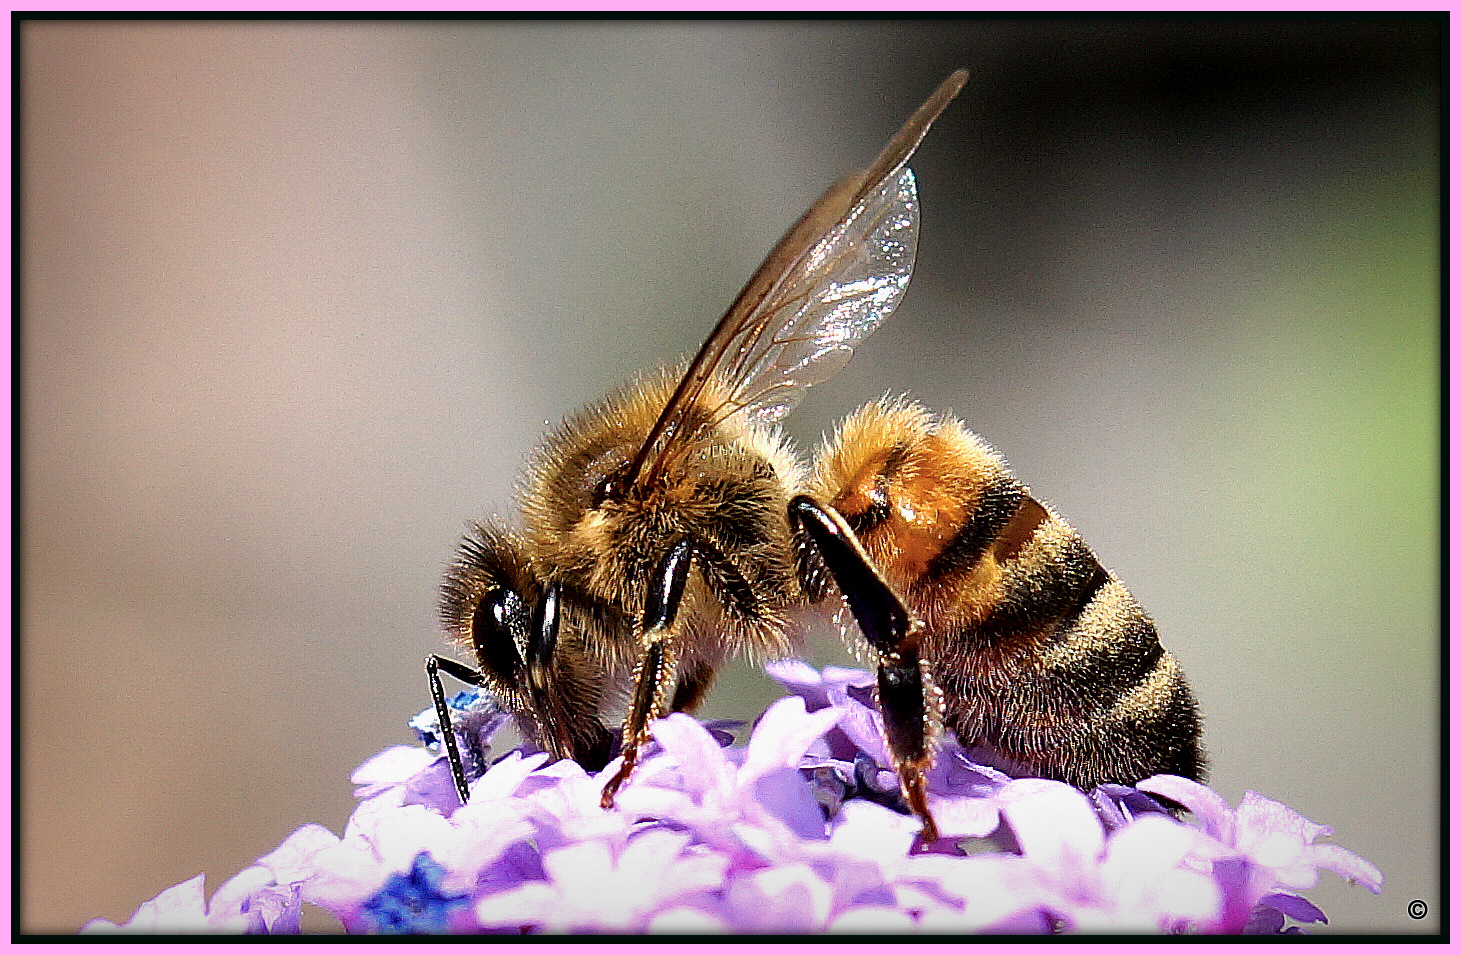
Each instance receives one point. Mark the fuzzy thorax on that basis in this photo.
(726, 490)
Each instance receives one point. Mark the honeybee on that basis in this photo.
(671, 526)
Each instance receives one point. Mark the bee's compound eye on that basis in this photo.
(499, 618)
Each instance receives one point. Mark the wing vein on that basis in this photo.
(826, 284)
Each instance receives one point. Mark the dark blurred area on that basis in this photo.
(297, 300)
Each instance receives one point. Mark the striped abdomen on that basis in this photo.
(1041, 655)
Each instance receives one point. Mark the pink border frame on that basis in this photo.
(729, 7)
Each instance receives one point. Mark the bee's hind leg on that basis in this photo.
(895, 635)
(654, 678)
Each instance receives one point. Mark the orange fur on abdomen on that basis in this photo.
(1039, 652)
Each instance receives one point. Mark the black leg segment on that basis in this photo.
(538, 664)
(435, 665)
(543, 637)
(654, 679)
(879, 613)
(887, 626)
(667, 587)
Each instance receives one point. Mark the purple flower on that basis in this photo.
(801, 830)
(249, 903)
(850, 693)
(654, 881)
(1134, 880)
(1259, 849)
(694, 782)
(178, 909)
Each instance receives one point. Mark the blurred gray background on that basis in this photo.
(298, 299)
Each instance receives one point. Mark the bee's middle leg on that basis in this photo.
(654, 678)
(893, 633)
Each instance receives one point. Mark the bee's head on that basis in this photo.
(486, 610)
(540, 672)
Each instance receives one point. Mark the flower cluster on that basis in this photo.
(800, 830)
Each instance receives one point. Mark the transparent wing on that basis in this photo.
(849, 282)
(838, 272)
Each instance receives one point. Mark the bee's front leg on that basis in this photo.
(434, 665)
(541, 645)
(654, 677)
(894, 634)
